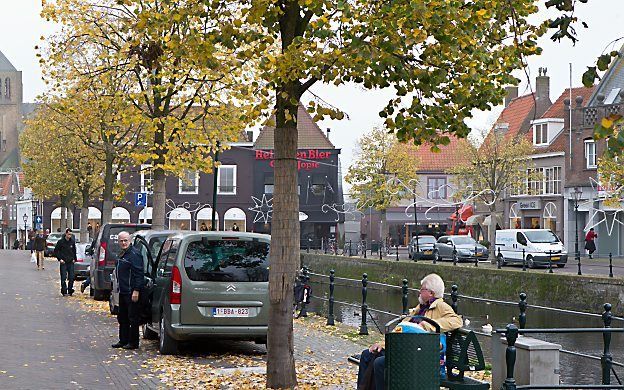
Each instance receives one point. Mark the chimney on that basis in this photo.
(512, 93)
(542, 91)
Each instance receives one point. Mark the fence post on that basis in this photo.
(606, 360)
(365, 248)
(380, 256)
(330, 315)
(550, 271)
(304, 279)
(511, 335)
(523, 306)
(363, 327)
(499, 264)
(397, 253)
(404, 300)
(523, 260)
(610, 264)
(578, 258)
(454, 296)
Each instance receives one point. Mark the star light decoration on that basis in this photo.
(348, 209)
(606, 191)
(263, 209)
(193, 208)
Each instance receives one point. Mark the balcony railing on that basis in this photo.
(592, 115)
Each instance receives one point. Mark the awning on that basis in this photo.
(475, 219)
(465, 212)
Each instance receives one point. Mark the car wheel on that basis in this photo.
(530, 262)
(149, 334)
(436, 256)
(561, 265)
(99, 295)
(114, 309)
(166, 345)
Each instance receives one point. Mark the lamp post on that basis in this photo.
(417, 252)
(577, 194)
(214, 187)
(25, 218)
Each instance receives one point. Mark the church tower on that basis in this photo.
(10, 113)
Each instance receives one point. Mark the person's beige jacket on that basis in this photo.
(442, 313)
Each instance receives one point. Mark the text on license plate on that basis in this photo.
(556, 258)
(230, 312)
(428, 252)
(478, 254)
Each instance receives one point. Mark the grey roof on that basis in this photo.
(611, 86)
(5, 64)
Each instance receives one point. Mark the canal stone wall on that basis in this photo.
(564, 291)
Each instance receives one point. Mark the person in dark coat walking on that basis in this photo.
(40, 244)
(129, 276)
(590, 244)
(65, 252)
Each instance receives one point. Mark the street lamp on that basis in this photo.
(25, 218)
(577, 195)
(417, 253)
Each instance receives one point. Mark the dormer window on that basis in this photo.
(540, 134)
(501, 128)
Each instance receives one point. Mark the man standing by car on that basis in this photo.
(129, 276)
(65, 252)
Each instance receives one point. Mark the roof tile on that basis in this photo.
(448, 157)
(309, 134)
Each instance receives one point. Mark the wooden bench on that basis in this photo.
(463, 353)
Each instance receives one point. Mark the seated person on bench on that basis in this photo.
(432, 306)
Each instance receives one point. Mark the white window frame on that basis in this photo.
(590, 159)
(194, 192)
(219, 191)
(540, 134)
(144, 188)
(437, 190)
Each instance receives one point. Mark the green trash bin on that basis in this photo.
(374, 246)
(413, 360)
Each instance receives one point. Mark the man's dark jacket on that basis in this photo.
(65, 250)
(40, 242)
(129, 271)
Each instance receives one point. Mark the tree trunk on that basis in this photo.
(84, 218)
(492, 235)
(107, 193)
(158, 212)
(284, 248)
(107, 211)
(63, 213)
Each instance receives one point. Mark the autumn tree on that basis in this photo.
(182, 74)
(382, 169)
(499, 166)
(57, 163)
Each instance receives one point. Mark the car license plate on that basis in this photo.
(428, 252)
(556, 258)
(230, 312)
(478, 254)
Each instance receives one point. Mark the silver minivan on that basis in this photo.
(209, 285)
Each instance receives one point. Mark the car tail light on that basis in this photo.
(175, 296)
(102, 257)
(79, 260)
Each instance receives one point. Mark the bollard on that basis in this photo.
(363, 327)
(578, 258)
(510, 356)
(523, 306)
(365, 248)
(380, 257)
(330, 315)
(325, 246)
(397, 253)
(550, 271)
(499, 259)
(454, 296)
(434, 257)
(404, 300)
(350, 253)
(455, 260)
(606, 360)
(523, 260)
(476, 260)
(304, 279)
(610, 265)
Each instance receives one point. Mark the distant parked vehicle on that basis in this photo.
(425, 247)
(51, 243)
(104, 256)
(459, 248)
(83, 261)
(539, 246)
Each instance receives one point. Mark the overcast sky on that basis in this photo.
(22, 28)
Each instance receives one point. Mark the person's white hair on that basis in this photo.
(434, 283)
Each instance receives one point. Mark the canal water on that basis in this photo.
(574, 369)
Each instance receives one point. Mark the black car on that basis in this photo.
(104, 252)
(422, 246)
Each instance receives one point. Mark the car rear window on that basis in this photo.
(227, 261)
(112, 248)
(425, 240)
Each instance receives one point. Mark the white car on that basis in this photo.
(538, 246)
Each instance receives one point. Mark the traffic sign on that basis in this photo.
(38, 219)
(140, 199)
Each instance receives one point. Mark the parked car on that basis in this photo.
(148, 243)
(51, 241)
(83, 261)
(459, 248)
(104, 252)
(539, 246)
(424, 244)
(209, 285)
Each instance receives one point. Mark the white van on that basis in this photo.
(540, 246)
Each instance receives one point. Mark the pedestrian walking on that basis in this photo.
(129, 276)
(65, 252)
(89, 230)
(96, 230)
(203, 227)
(40, 244)
(590, 244)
